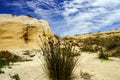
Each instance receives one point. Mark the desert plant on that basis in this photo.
(1, 72)
(60, 63)
(115, 52)
(27, 52)
(2, 62)
(15, 77)
(6, 57)
(94, 41)
(87, 48)
(112, 42)
(103, 55)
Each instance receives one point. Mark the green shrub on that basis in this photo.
(60, 62)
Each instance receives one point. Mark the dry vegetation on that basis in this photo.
(60, 61)
(108, 42)
(6, 57)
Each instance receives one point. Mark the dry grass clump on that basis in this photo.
(60, 62)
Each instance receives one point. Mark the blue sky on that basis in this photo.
(69, 17)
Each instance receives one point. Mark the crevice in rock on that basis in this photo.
(25, 36)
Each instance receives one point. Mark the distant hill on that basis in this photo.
(108, 41)
(101, 34)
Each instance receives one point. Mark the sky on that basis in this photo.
(69, 17)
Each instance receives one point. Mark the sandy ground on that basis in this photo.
(88, 63)
(30, 70)
(99, 69)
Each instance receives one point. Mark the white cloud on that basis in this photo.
(107, 3)
(44, 13)
(80, 16)
(96, 15)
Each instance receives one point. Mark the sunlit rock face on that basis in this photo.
(23, 32)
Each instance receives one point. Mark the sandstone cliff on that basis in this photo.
(23, 32)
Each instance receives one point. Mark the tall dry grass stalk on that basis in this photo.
(60, 62)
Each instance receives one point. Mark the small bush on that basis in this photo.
(60, 62)
(16, 77)
(103, 55)
(1, 72)
(5, 54)
(3, 62)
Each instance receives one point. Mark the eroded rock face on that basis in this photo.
(23, 32)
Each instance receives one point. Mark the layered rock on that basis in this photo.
(23, 32)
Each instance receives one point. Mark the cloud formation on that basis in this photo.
(90, 15)
(70, 17)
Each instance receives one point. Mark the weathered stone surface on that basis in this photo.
(23, 32)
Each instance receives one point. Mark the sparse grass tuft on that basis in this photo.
(85, 75)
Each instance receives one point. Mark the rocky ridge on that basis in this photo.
(23, 32)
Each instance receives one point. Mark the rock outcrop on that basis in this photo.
(23, 32)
